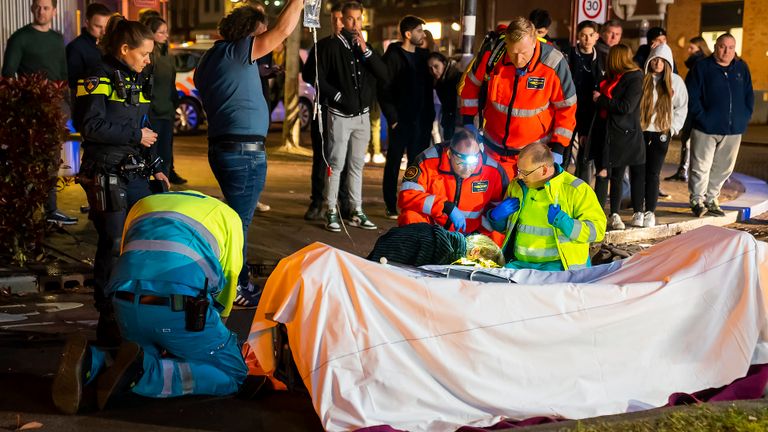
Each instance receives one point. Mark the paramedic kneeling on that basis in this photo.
(550, 216)
(452, 185)
(175, 279)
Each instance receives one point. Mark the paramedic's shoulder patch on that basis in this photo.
(90, 84)
(411, 173)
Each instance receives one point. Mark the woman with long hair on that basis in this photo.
(162, 111)
(447, 76)
(617, 139)
(118, 142)
(662, 114)
(698, 50)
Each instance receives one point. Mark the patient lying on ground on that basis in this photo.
(422, 243)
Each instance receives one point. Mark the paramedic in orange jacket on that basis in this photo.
(529, 97)
(453, 185)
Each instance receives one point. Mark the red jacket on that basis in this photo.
(430, 190)
(522, 108)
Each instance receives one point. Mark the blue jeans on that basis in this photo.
(178, 362)
(241, 176)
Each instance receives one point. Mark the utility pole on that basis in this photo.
(469, 25)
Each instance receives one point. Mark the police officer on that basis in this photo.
(111, 112)
(182, 254)
(452, 185)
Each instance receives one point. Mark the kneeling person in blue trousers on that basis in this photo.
(181, 251)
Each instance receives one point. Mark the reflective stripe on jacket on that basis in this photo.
(431, 188)
(183, 238)
(536, 240)
(522, 108)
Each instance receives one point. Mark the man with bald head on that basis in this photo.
(718, 122)
(453, 184)
(550, 217)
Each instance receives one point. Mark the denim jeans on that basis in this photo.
(241, 176)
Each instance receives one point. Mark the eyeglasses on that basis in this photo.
(521, 173)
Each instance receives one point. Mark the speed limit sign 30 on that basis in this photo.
(594, 10)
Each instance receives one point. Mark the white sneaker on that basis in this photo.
(649, 219)
(379, 158)
(262, 208)
(367, 157)
(615, 222)
(637, 219)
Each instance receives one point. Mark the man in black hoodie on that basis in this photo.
(348, 72)
(407, 103)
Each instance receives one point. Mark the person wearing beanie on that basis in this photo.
(655, 36)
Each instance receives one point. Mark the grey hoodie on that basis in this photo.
(679, 92)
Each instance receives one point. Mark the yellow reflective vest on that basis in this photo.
(530, 237)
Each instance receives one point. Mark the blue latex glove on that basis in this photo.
(559, 219)
(458, 220)
(558, 158)
(505, 209)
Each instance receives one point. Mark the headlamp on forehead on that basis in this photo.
(467, 159)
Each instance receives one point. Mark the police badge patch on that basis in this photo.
(411, 173)
(90, 84)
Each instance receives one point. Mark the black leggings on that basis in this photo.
(654, 160)
(636, 183)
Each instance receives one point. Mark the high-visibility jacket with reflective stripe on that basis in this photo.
(110, 124)
(531, 237)
(520, 109)
(182, 238)
(430, 184)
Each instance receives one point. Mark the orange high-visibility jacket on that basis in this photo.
(538, 105)
(430, 190)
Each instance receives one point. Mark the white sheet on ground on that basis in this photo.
(376, 345)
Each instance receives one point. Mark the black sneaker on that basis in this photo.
(680, 176)
(60, 218)
(176, 179)
(698, 209)
(67, 389)
(391, 214)
(123, 375)
(314, 212)
(664, 195)
(714, 209)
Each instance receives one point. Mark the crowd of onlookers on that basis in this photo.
(609, 110)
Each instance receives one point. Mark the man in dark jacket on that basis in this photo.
(314, 212)
(610, 35)
(347, 75)
(720, 101)
(407, 103)
(587, 69)
(83, 52)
